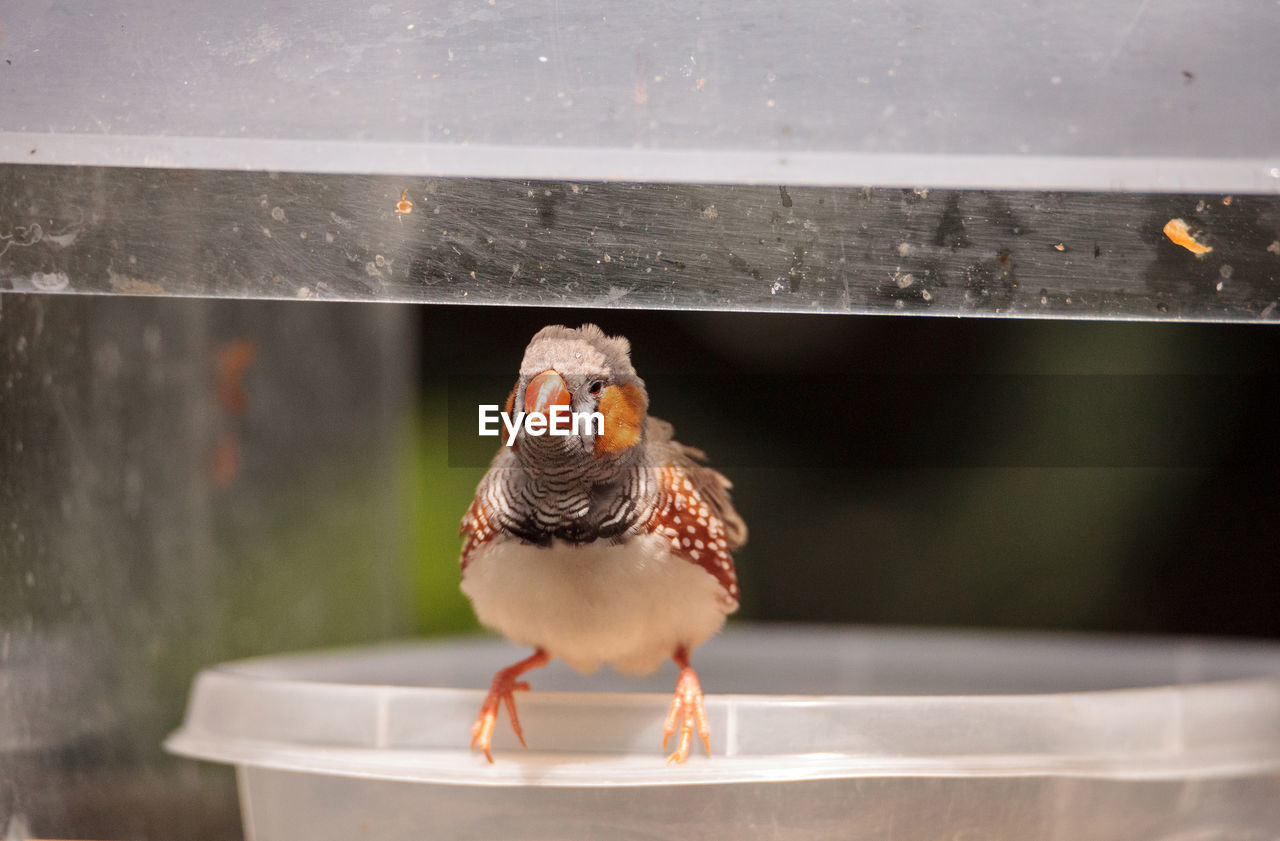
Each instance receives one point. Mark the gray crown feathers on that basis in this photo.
(588, 345)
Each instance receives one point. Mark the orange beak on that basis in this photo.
(546, 390)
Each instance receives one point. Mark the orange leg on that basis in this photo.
(687, 709)
(500, 692)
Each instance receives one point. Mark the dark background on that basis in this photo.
(935, 471)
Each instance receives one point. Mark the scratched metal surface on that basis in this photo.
(756, 248)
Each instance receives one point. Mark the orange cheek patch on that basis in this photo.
(621, 406)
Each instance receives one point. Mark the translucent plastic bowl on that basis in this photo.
(816, 733)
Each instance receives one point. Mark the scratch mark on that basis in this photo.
(1127, 32)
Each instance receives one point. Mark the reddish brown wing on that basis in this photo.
(477, 530)
(696, 532)
(479, 524)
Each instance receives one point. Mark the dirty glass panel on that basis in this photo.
(181, 482)
(1036, 254)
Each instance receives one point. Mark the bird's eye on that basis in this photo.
(595, 387)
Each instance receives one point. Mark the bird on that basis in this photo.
(609, 546)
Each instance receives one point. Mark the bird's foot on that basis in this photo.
(502, 692)
(687, 714)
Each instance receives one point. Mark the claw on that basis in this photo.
(687, 713)
(482, 730)
(501, 693)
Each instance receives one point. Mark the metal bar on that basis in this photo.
(1027, 254)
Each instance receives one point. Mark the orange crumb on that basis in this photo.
(1178, 233)
(1227, 201)
(1060, 246)
(404, 205)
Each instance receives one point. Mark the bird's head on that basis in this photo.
(580, 371)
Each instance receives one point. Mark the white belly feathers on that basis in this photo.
(629, 605)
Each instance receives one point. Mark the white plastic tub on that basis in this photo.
(845, 734)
